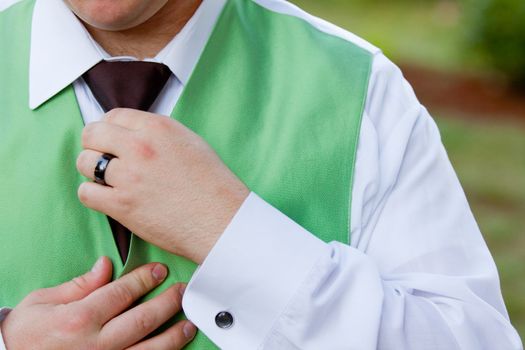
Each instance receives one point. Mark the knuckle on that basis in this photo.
(36, 295)
(78, 320)
(142, 279)
(87, 135)
(80, 282)
(200, 146)
(121, 294)
(132, 176)
(145, 322)
(124, 200)
(161, 122)
(113, 114)
(193, 143)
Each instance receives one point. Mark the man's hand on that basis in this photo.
(165, 184)
(88, 313)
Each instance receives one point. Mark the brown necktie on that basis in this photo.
(130, 84)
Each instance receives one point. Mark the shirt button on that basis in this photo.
(224, 320)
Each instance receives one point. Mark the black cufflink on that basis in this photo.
(224, 320)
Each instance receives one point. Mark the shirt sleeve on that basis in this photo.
(3, 314)
(417, 275)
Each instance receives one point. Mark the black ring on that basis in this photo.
(100, 169)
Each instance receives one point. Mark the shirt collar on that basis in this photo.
(62, 49)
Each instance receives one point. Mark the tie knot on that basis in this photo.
(127, 84)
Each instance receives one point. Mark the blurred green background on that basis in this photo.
(466, 62)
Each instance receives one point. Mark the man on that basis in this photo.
(359, 236)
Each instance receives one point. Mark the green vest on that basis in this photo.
(278, 100)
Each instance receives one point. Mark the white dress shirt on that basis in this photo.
(417, 274)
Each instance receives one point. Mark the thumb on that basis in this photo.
(79, 287)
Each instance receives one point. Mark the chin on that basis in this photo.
(115, 15)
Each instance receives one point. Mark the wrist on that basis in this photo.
(226, 208)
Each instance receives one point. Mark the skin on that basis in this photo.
(167, 185)
(137, 28)
(91, 313)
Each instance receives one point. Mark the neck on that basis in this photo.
(150, 37)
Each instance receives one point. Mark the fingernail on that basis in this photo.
(98, 265)
(159, 272)
(189, 330)
(182, 288)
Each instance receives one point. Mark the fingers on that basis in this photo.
(127, 118)
(77, 288)
(133, 325)
(87, 161)
(136, 120)
(98, 197)
(174, 338)
(106, 137)
(110, 300)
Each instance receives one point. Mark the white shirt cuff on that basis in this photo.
(260, 244)
(3, 315)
